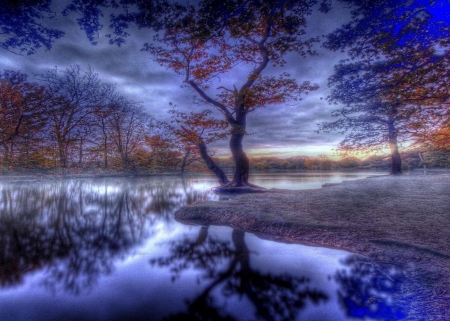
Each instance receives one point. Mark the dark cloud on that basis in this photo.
(137, 76)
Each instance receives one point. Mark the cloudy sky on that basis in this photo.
(281, 130)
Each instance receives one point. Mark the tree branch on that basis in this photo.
(210, 100)
(265, 59)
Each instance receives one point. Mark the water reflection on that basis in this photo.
(75, 227)
(80, 250)
(307, 179)
(367, 290)
(273, 297)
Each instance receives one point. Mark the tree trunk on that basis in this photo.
(423, 162)
(241, 162)
(12, 158)
(202, 235)
(105, 144)
(183, 164)
(80, 154)
(5, 155)
(396, 167)
(223, 179)
(62, 155)
(62, 149)
(105, 157)
(242, 252)
(27, 153)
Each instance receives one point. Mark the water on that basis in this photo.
(109, 249)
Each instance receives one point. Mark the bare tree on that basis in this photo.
(74, 93)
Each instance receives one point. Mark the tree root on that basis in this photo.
(233, 187)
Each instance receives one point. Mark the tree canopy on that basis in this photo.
(25, 26)
(391, 24)
(396, 75)
(246, 42)
(22, 26)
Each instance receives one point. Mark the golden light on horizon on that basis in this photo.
(292, 151)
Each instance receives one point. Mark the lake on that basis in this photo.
(109, 249)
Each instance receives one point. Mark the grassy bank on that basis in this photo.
(402, 221)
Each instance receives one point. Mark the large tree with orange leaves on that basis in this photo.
(222, 50)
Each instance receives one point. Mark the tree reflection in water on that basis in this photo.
(274, 297)
(367, 290)
(74, 229)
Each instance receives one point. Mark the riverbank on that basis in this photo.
(401, 221)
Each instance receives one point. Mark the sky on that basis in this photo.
(280, 130)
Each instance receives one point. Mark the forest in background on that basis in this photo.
(71, 122)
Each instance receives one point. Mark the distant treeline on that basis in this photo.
(412, 159)
(169, 160)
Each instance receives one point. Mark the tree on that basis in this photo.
(388, 100)
(22, 27)
(164, 153)
(391, 24)
(22, 115)
(101, 141)
(392, 81)
(26, 25)
(154, 14)
(372, 119)
(127, 127)
(70, 120)
(251, 35)
(199, 130)
(382, 102)
(105, 121)
(74, 95)
(349, 162)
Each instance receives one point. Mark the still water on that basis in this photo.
(109, 249)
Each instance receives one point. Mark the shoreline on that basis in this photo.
(96, 174)
(401, 221)
(53, 177)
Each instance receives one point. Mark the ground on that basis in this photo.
(402, 221)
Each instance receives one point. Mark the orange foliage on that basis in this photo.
(197, 128)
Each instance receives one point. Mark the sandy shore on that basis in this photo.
(402, 221)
